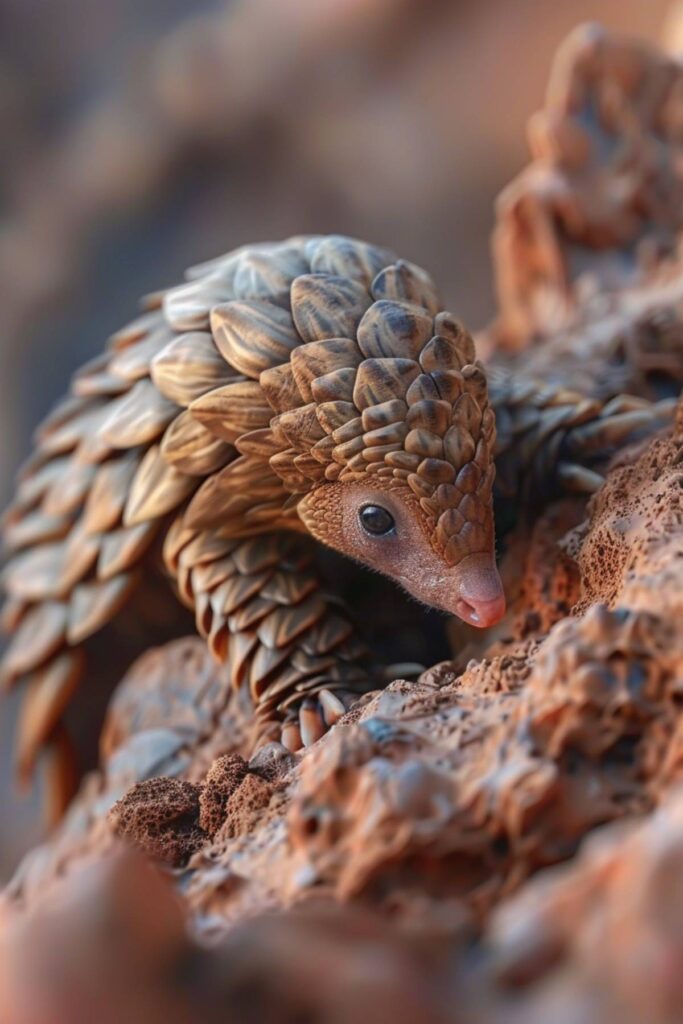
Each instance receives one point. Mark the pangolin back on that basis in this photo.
(273, 368)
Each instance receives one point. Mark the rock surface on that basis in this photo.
(440, 854)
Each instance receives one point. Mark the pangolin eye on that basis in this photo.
(375, 520)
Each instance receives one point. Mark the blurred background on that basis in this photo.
(139, 138)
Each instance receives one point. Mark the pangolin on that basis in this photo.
(311, 386)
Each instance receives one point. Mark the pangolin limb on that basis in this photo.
(310, 386)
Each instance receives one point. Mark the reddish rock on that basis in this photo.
(161, 816)
(225, 776)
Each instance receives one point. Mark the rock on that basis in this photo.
(224, 777)
(161, 816)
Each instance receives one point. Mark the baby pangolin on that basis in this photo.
(311, 386)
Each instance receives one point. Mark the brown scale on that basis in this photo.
(276, 393)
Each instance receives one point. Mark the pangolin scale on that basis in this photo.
(282, 390)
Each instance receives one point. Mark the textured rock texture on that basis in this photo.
(599, 940)
(429, 858)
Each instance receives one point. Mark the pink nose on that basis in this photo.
(482, 600)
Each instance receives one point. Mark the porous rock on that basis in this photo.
(161, 816)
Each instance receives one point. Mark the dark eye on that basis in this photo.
(375, 520)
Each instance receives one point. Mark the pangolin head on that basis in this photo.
(378, 431)
(407, 490)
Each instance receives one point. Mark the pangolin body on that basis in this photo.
(309, 386)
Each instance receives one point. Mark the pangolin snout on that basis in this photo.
(480, 599)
